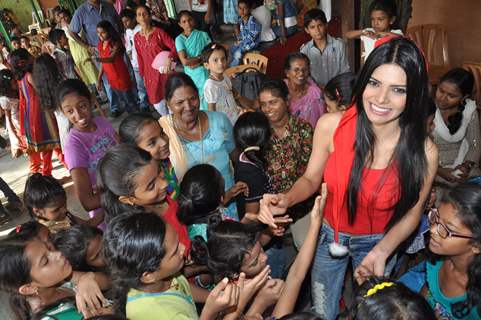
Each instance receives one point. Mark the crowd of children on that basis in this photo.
(165, 238)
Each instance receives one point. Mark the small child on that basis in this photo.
(218, 91)
(383, 24)
(62, 54)
(149, 285)
(15, 42)
(111, 55)
(88, 140)
(82, 246)
(338, 92)
(46, 200)
(189, 46)
(327, 54)
(248, 32)
(9, 104)
(32, 49)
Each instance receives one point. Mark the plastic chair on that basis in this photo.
(232, 71)
(475, 69)
(433, 40)
(256, 59)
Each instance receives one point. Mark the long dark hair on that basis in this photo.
(21, 62)
(340, 88)
(133, 244)
(252, 129)
(409, 156)
(41, 192)
(6, 78)
(46, 79)
(467, 201)
(115, 176)
(114, 36)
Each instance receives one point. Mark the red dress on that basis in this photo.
(147, 49)
(170, 216)
(116, 71)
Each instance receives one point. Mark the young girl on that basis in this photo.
(130, 178)
(143, 130)
(383, 24)
(189, 46)
(148, 283)
(36, 124)
(87, 141)
(218, 91)
(450, 281)
(338, 92)
(46, 200)
(251, 134)
(81, 245)
(9, 104)
(111, 55)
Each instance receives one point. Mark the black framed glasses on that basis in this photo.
(441, 229)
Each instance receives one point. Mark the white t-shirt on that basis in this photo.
(369, 43)
(220, 93)
(263, 15)
(130, 46)
(200, 5)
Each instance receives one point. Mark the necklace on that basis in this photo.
(184, 134)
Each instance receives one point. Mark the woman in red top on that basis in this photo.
(378, 163)
(149, 42)
(111, 55)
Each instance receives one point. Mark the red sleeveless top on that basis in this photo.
(379, 190)
(116, 71)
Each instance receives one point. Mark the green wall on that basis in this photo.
(22, 9)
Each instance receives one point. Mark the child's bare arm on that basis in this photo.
(353, 34)
(199, 294)
(83, 189)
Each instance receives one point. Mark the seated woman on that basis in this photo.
(197, 136)
(457, 132)
(306, 99)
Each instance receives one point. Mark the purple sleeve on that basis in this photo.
(75, 154)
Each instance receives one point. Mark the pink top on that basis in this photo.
(311, 106)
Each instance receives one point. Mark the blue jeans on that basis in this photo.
(236, 54)
(143, 100)
(327, 275)
(127, 97)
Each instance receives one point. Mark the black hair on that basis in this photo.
(393, 301)
(46, 78)
(295, 56)
(57, 9)
(15, 39)
(246, 2)
(431, 111)
(42, 191)
(6, 77)
(26, 231)
(133, 245)
(340, 88)
(209, 49)
(314, 14)
(21, 61)
(115, 176)
(184, 13)
(133, 124)
(66, 11)
(409, 156)
(387, 6)
(55, 34)
(200, 194)
(464, 80)
(252, 129)
(467, 201)
(177, 80)
(127, 13)
(70, 86)
(278, 88)
(73, 243)
(303, 315)
(113, 35)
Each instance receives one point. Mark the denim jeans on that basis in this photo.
(327, 275)
(127, 97)
(141, 91)
(236, 54)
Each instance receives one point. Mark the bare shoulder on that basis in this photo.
(328, 123)
(431, 151)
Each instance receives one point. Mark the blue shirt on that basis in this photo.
(87, 16)
(250, 33)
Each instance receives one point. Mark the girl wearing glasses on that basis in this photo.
(450, 282)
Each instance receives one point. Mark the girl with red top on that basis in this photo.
(130, 178)
(111, 55)
(149, 42)
(378, 163)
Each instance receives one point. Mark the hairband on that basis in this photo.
(378, 287)
(252, 148)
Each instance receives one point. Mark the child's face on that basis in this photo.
(55, 211)
(102, 34)
(63, 17)
(448, 95)
(94, 256)
(217, 62)
(25, 43)
(186, 23)
(153, 139)
(63, 41)
(244, 10)
(448, 221)
(316, 29)
(78, 111)
(48, 267)
(380, 21)
(16, 44)
(150, 185)
(128, 23)
(298, 72)
(254, 261)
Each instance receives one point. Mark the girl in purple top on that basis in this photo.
(88, 140)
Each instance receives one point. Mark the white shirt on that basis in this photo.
(129, 45)
(369, 42)
(263, 16)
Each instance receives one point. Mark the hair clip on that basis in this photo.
(18, 228)
(338, 95)
(252, 148)
(213, 46)
(377, 288)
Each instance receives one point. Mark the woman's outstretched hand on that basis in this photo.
(272, 205)
(372, 265)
